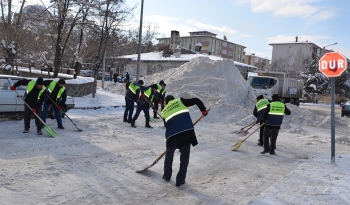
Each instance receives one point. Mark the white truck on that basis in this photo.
(269, 83)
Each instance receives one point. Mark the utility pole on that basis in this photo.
(139, 48)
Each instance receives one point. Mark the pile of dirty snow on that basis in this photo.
(217, 82)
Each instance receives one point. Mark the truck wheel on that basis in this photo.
(292, 101)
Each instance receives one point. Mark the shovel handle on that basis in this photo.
(253, 123)
(29, 107)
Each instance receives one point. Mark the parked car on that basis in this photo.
(99, 75)
(86, 73)
(11, 104)
(342, 102)
(345, 109)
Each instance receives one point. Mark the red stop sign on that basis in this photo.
(332, 64)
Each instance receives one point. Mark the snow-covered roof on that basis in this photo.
(288, 43)
(158, 56)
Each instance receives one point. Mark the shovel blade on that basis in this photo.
(243, 133)
(237, 132)
(236, 146)
(151, 119)
(50, 131)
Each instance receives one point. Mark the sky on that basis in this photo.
(254, 23)
(251, 23)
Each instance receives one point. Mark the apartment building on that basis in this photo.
(209, 44)
(292, 57)
(259, 62)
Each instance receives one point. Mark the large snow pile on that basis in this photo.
(220, 85)
(217, 82)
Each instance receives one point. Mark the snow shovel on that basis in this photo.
(65, 114)
(238, 144)
(162, 155)
(48, 129)
(245, 132)
(151, 119)
(153, 110)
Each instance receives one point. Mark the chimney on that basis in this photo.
(296, 38)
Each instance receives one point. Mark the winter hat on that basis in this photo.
(154, 86)
(168, 98)
(162, 82)
(275, 97)
(62, 81)
(40, 81)
(140, 82)
(260, 97)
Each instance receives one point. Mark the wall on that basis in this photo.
(73, 90)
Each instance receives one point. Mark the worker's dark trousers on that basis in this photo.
(261, 135)
(184, 160)
(144, 108)
(27, 116)
(273, 133)
(129, 109)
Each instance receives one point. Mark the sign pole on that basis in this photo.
(332, 65)
(332, 121)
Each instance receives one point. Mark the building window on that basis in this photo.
(224, 44)
(224, 52)
(230, 53)
(231, 46)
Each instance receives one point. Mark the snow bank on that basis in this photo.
(217, 82)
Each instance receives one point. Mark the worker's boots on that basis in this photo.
(155, 115)
(133, 124)
(147, 124)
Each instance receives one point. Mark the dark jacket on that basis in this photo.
(267, 110)
(61, 101)
(31, 98)
(130, 94)
(127, 77)
(148, 101)
(189, 136)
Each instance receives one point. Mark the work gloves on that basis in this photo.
(12, 88)
(204, 112)
(143, 95)
(58, 107)
(34, 110)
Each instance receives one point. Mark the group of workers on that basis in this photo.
(179, 132)
(270, 116)
(38, 93)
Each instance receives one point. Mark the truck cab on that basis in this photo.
(264, 85)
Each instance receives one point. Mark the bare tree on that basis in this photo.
(11, 30)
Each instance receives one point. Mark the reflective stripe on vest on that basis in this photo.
(133, 87)
(173, 108)
(276, 112)
(160, 89)
(261, 104)
(52, 87)
(276, 108)
(148, 94)
(31, 85)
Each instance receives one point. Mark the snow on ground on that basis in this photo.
(97, 166)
